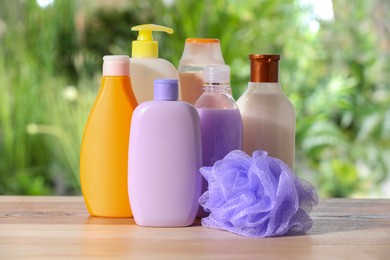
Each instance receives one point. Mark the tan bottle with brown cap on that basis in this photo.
(267, 114)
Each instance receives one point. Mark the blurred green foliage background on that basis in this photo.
(334, 68)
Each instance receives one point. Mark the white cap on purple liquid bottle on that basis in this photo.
(216, 74)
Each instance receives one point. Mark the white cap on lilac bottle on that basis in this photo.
(116, 65)
(166, 89)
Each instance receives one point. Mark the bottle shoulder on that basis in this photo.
(162, 66)
(111, 81)
(159, 116)
(265, 97)
(261, 99)
(216, 101)
(116, 90)
(164, 107)
(263, 90)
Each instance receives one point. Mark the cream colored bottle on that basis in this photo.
(146, 66)
(267, 114)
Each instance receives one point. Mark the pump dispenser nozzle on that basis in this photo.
(145, 46)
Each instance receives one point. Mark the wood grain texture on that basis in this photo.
(51, 227)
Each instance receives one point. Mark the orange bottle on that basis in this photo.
(104, 149)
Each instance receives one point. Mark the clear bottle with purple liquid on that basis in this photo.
(220, 119)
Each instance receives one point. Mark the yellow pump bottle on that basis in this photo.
(146, 66)
(104, 148)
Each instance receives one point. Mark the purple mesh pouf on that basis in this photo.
(256, 197)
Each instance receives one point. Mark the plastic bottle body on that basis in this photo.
(198, 53)
(220, 119)
(164, 162)
(104, 150)
(145, 66)
(144, 71)
(191, 84)
(221, 133)
(268, 121)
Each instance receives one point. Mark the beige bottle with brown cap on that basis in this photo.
(267, 114)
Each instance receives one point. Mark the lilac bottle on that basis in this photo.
(164, 159)
(220, 119)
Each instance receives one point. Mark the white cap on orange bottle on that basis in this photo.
(116, 65)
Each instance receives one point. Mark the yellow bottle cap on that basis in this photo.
(144, 46)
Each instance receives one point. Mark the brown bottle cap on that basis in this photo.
(264, 67)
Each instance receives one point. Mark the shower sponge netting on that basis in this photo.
(256, 197)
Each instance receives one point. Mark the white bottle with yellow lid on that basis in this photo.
(145, 65)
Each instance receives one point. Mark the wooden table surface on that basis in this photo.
(38, 227)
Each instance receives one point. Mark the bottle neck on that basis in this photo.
(265, 87)
(115, 78)
(216, 96)
(219, 88)
(115, 82)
